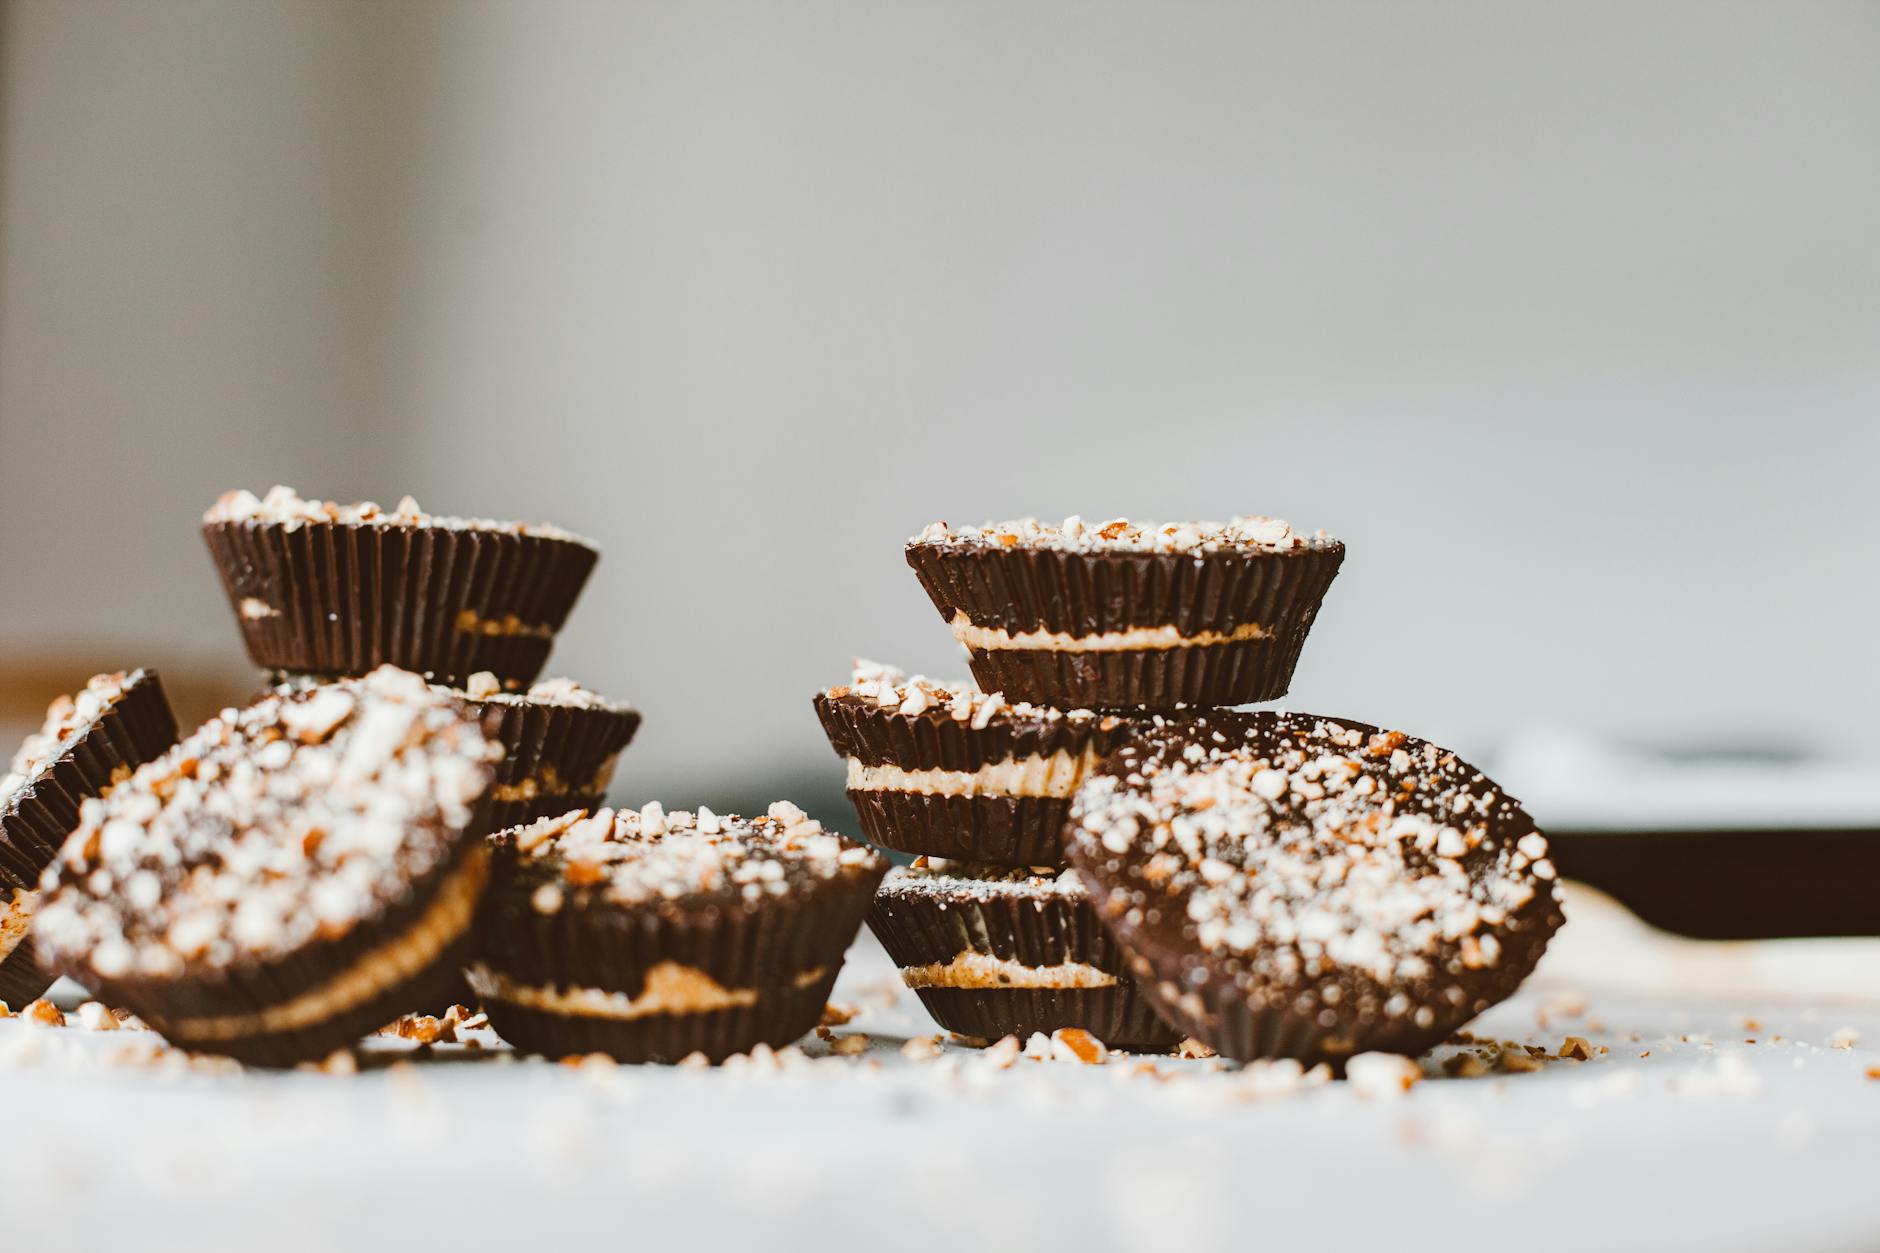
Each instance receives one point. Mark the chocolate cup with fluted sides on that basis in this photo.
(1121, 629)
(342, 598)
(757, 971)
(942, 786)
(302, 1005)
(556, 757)
(1232, 1001)
(133, 728)
(1012, 955)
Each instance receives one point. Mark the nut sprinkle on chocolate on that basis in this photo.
(633, 857)
(1309, 886)
(287, 822)
(1251, 533)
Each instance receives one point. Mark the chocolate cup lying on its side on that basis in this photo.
(299, 1007)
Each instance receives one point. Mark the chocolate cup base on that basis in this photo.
(316, 1041)
(22, 979)
(1115, 1015)
(1006, 830)
(1238, 673)
(506, 814)
(781, 1016)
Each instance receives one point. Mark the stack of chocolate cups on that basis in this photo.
(325, 592)
(1078, 637)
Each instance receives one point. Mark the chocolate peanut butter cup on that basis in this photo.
(949, 771)
(560, 742)
(90, 741)
(1297, 886)
(994, 951)
(1123, 614)
(650, 936)
(333, 590)
(288, 878)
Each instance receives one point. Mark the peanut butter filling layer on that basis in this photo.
(471, 623)
(983, 971)
(16, 915)
(671, 988)
(994, 639)
(447, 918)
(548, 782)
(1035, 775)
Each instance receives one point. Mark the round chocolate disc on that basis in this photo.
(1291, 885)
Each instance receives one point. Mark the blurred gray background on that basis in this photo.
(1565, 317)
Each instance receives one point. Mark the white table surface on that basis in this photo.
(1708, 1142)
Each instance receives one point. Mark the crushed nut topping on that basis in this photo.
(295, 818)
(284, 505)
(650, 854)
(67, 718)
(890, 688)
(1318, 850)
(937, 876)
(1246, 534)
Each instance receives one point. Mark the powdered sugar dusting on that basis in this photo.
(1248, 534)
(299, 816)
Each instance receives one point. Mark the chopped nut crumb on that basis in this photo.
(1002, 1053)
(1517, 1061)
(849, 1045)
(1577, 1048)
(95, 1017)
(835, 1015)
(695, 1061)
(1465, 1066)
(1076, 1044)
(1374, 1075)
(1845, 1038)
(922, 1048)
(1191, 1047)
(43, 1013)
(5, 1011)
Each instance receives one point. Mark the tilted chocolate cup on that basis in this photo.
(342, 598)
(303, 1004)
(134, 728)
(1054, 935)
(1128, 629)
(1275, 999)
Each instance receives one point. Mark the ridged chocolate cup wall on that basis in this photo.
(575, 742)
(930, 927)
(1081, 593)
(131, 730)
(1224, 1001)
(1009, 830)
(252, 988)
(766, 945)
(342, 598)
